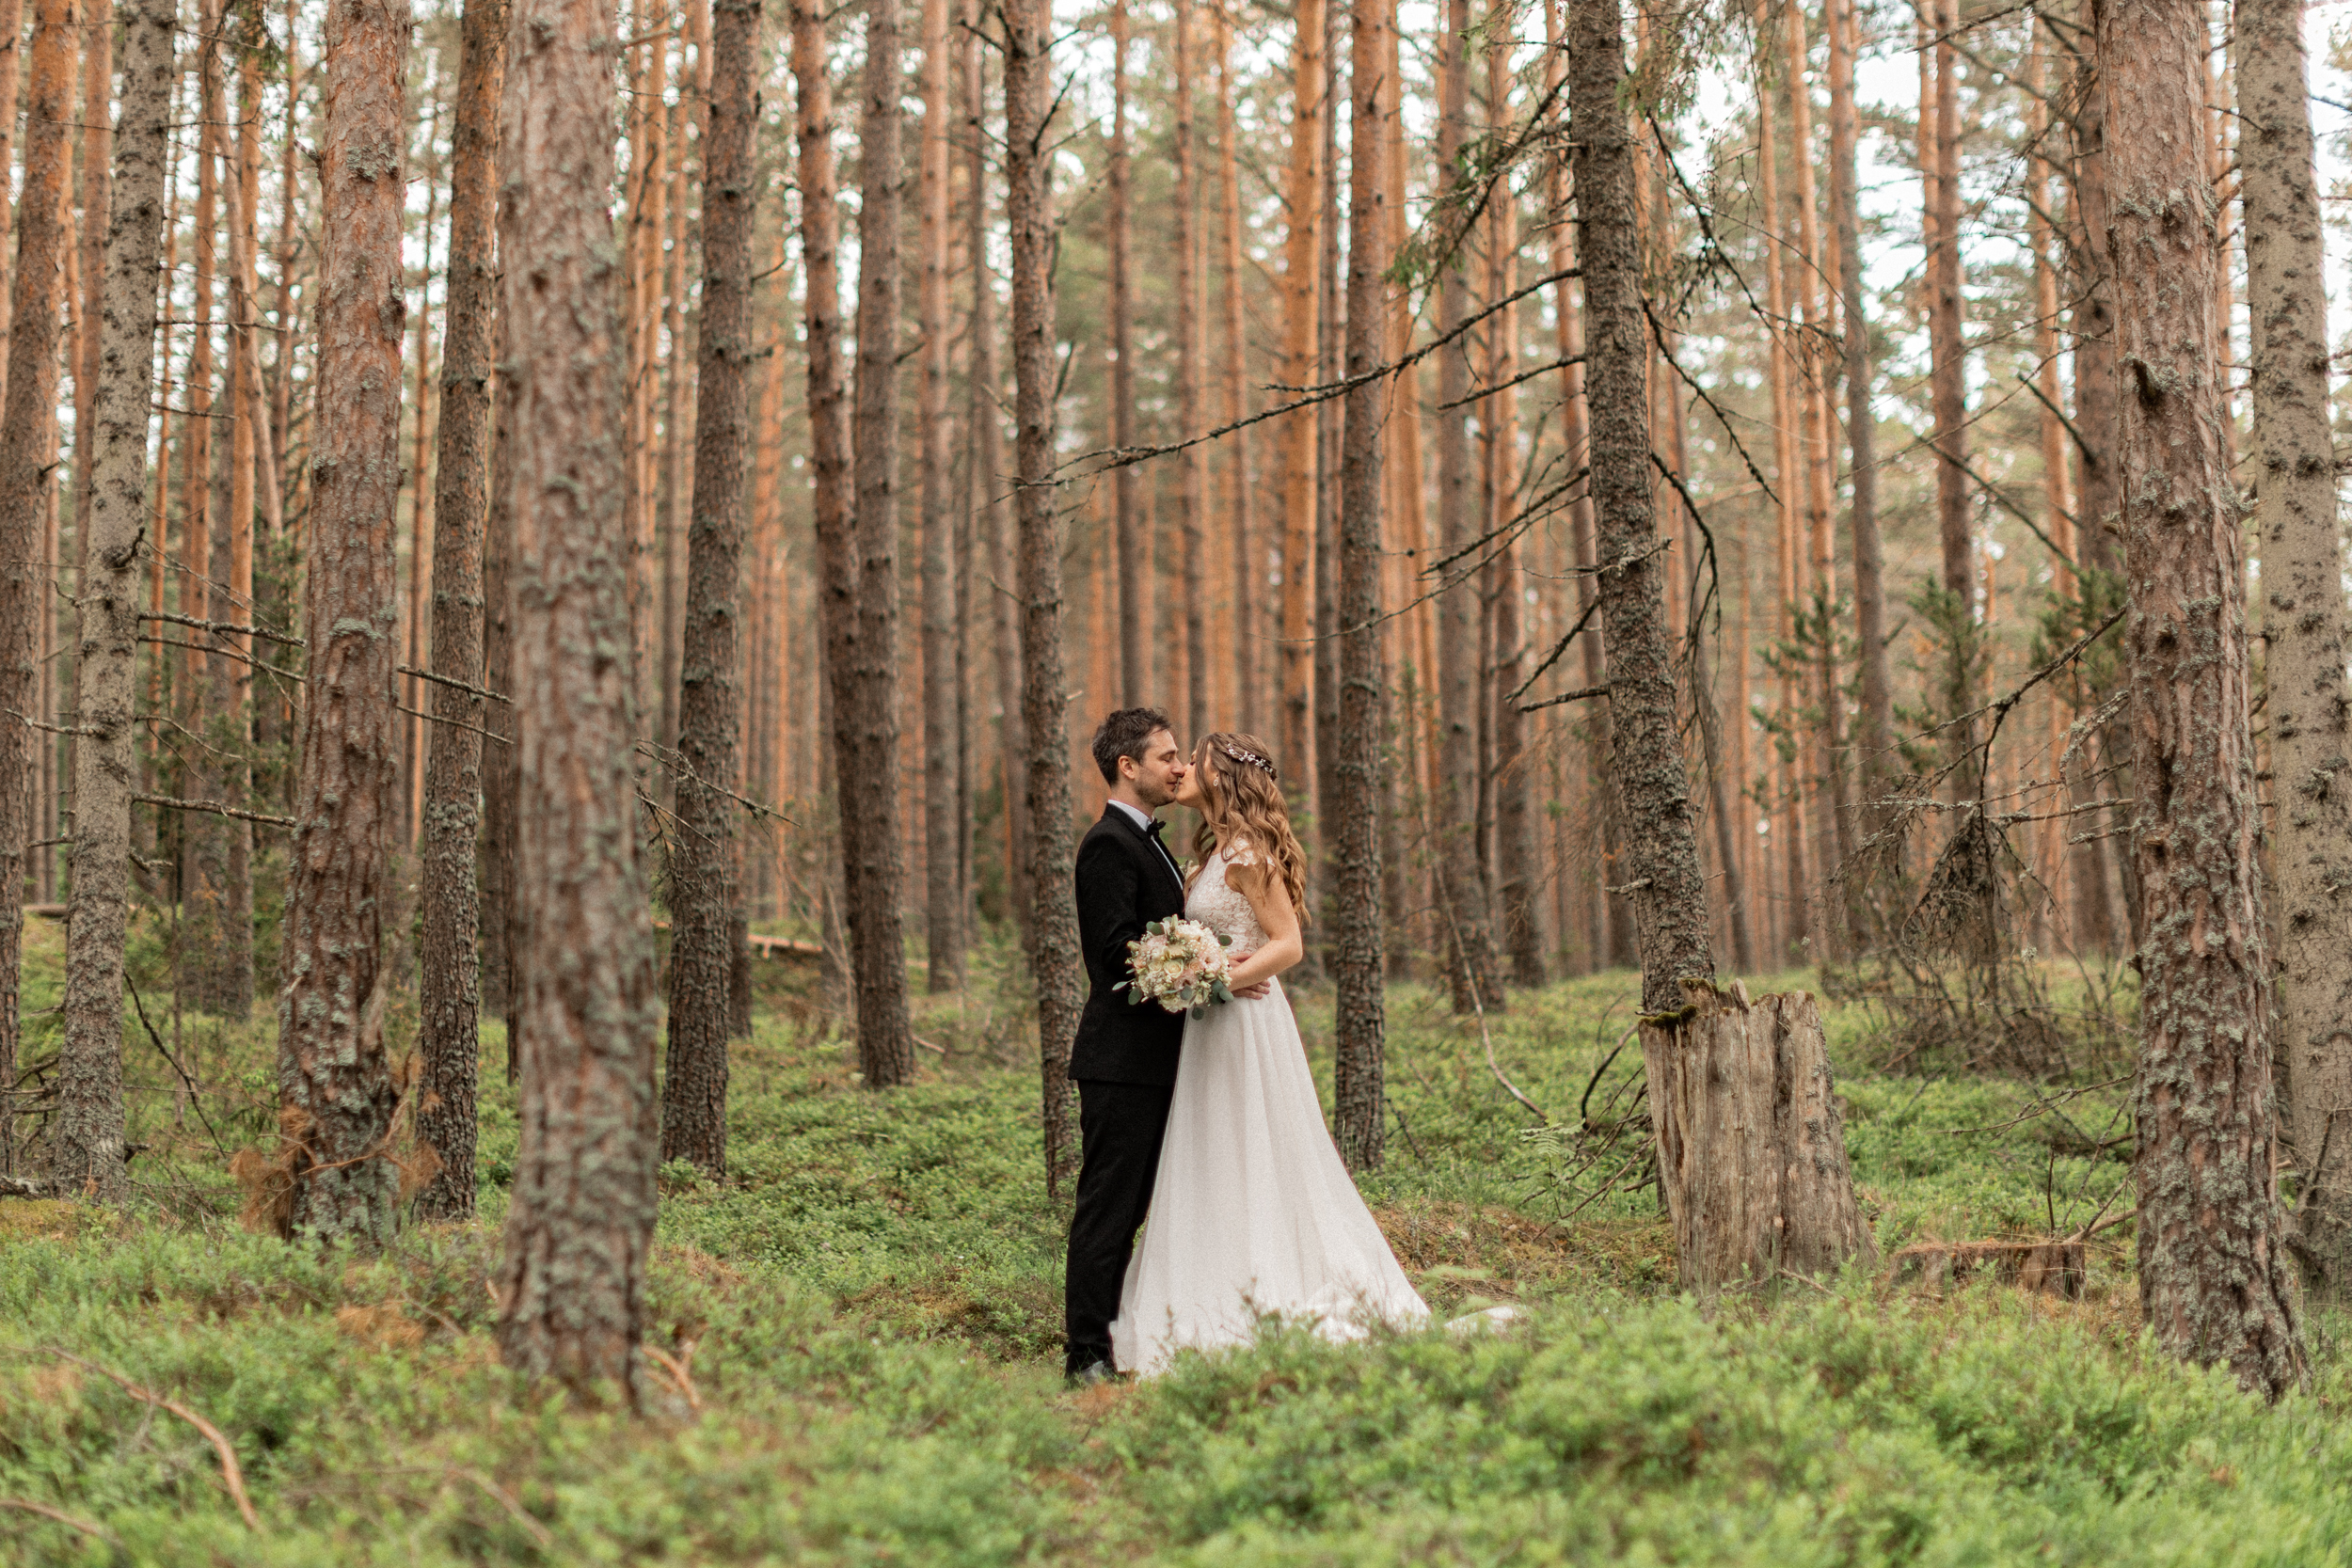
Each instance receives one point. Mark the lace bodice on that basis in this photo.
(1221, 906)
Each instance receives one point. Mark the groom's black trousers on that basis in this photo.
(1120, 1126)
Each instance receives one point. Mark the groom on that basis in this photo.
(1124, 1058)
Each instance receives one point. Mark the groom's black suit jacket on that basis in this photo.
(1125, 882)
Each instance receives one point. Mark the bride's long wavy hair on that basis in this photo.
(1242, 799)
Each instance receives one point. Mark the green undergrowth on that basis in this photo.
(865, 1316)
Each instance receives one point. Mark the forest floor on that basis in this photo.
(864, 1324)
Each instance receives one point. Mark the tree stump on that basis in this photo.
(1751, 1148)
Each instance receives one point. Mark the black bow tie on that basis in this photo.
(1151, 826)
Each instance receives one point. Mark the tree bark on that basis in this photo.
(985, 430)
(2213, 1277)
(1513, 786)
(1302, 200)
(942, 858)
(866, 665)
(1192, 462)
(1248, 623)
(11, 78)
(1751, 1145)
(1133, 549)
(1358, 1068)
(571, 1287)
(28, 446)
(1469, 933)
(677, 326)
(335, 1092)
(86, 1137)
(702, 856)
(1029, 75)
(1662, 859)
(501, 764)
(1874, 729)
(447, 972)
(2303, 565)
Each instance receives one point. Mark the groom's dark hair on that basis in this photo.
(1124, 733)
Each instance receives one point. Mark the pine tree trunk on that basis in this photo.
(1324, 683)
(1462, 895)
(866, 667)
(1358, 1068)
(501, 760)
(11, 77)
(1029, 75)
(335, 1081)
(1874, 730)
(986, 477)
(2303, 562)
(448, 971)
(197, 836)
(1133, 549)
(1302, 200)
(1663, 861)
(571, 1287)
(702, 857)
(1946, 348)
(28, 445)
(942, 858)
(2052, 854)
(86, 1137)
(1787, 480)
(2214, 1285)
(1246, 624)
(1192, 478)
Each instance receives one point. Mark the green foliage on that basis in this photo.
(867, 1312)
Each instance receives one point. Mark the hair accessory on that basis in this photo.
(1239, 753)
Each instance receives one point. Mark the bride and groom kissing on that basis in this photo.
(1206, 1119)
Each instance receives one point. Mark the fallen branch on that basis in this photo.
(95, 1532)
(679, 1371)
(231, 1474)
(216, 809)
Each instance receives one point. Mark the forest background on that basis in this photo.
(1886, 594)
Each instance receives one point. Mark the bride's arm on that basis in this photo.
(1270, 901)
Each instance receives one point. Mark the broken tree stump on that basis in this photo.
(1751, 1148)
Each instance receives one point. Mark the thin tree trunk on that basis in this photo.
(413, 652)
(985, 429)
(2058, 509)
(196, 929)
(1875, 726)
(1133, 549)
(1324, 665)
(28, 445)
(702, 857)
(943, 860)
(1948, 398)
(335, 1083)
(1359, 1070)
(1670, 895)
(500, 867)
(1469, 932)
(447, 972)
(1028, 74)
(865, 666)
(1786, 477)
(677, 323)
(11, 77)
(86, 1138)
(1834, 825)
(1302, 200)
(1246, 624)
(1191, 463)
(1517, 858)
(2212, 1275)
(2303, 565)
(571, 1288)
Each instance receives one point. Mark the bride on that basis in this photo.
(1252, 1214)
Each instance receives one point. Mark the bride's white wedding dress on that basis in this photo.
(1252, 1211)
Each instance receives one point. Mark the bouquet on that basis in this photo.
(1181, 965)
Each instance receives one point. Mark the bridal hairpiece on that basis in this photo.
(1241, 754)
